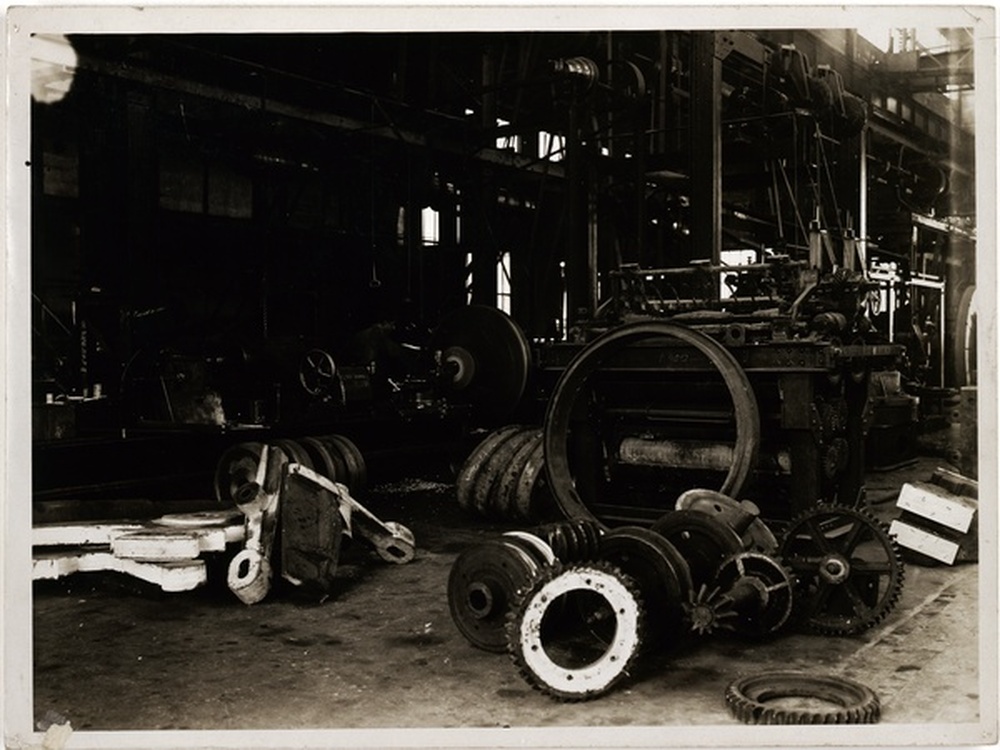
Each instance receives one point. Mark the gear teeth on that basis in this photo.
(849, 625)
(515, 617)
(745, 698)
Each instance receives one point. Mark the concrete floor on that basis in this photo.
(110, 654)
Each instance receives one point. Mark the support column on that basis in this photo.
(706, 148)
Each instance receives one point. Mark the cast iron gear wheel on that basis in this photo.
(852, 703)
(577, 630)
(848, 569)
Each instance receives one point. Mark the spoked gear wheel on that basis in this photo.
(750, 699)
(848, 569)
(577, 631)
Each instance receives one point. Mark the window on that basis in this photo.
(430, 226)
(503, 283)
(551, 146)
(733, 258)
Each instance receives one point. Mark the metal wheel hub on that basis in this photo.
(834, 569)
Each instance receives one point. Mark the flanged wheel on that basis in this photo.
(835, 700)
(356, 472)
(484, 488)
(577, 631)
(236, 467)
(848, 569)
(701, 539)
(741, 516)
(485, 361)
(484, 583)
(659, 569)
(504, 500)
(324, 460)
(567, 421)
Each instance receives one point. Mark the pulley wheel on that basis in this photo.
(526, 492)
(774, 591)
(534, 545)
(702, 541)
(505, 490)
(295, 452)
(474, 463)
(236, 467)
(484, 583)
(323, 459)
(661, 572)
(484, 486)
(354, 462)
(574, 379)
(486, 358)
(754, 532)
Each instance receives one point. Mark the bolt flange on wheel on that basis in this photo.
(758, 699)
(577, 631)
(848, 569)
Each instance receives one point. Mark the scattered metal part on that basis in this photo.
(657, 567)
(573, 541)
(527, 493)
(484, 486)
(392, 541)
(703, 541)
(484, 582)
(480, 454)
(533, 545)
(505, 490)
(749, 699)
(237, 466)
(357, 471)
(742, 516)
(848, 569)
(574, 378)
(249, 573)
(576, 632)
(752, 595)
(312, 529)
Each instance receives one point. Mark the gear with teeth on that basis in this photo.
(577, 630)
(848, 569)
(837, 700)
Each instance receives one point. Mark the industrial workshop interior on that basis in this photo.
(508, 380)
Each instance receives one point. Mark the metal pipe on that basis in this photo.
(688, 454)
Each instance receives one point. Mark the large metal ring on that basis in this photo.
(601, 606)
(599, 351)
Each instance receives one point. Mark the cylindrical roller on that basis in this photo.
(236, 467)
(480, 454)
(486, 480)
(505, 490)
(690, 454)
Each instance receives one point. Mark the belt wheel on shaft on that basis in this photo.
(577, 630)
(703, 541)
(757, 699)
(484, 582)
(848, 569)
